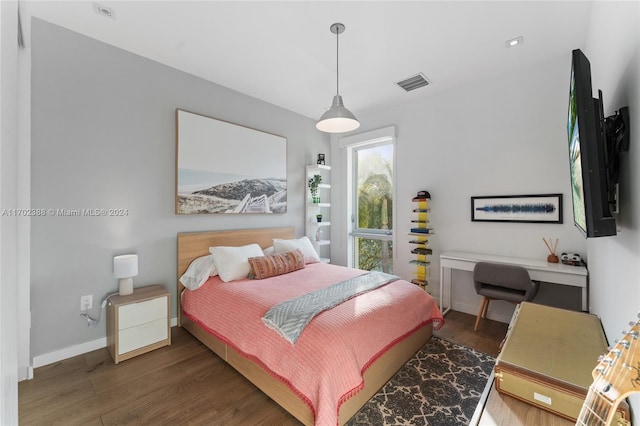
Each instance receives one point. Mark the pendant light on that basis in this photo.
(337, 119)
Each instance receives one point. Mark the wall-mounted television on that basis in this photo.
(593, 158)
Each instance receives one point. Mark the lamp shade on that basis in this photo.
(125, 266)
(337, 119)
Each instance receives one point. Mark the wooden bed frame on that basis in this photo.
(194, 244)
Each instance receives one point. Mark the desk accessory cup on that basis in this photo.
(552, 258)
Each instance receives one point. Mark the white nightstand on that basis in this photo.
(138, 323)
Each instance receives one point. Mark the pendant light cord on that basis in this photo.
(337, 63)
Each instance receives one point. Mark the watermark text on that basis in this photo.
(57, 212)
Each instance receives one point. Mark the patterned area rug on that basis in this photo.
(440, 385)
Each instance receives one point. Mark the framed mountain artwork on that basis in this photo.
(222, 167)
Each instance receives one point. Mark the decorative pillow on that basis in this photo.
(276, 264)
(303, 244)
(232, 262)
(198, 272)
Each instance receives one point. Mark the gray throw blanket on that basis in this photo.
(290, 317)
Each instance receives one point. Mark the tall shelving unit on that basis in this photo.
(419, 234)
(312, 209)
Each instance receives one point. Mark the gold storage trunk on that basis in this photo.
(548, 356)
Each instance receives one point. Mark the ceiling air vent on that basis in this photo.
(103, 10)
(414, 82)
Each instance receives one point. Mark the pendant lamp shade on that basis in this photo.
(337, 119)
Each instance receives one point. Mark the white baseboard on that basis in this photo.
(75, 350)
(25, 373)
(70, 352)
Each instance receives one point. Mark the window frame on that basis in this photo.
(376, 234)
(383, 136)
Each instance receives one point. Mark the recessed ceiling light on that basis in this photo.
(104, 11)
(514, 41)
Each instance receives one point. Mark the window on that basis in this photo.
(372, 204)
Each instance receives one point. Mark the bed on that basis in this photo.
(376, 361)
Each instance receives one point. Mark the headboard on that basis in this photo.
(195, 244)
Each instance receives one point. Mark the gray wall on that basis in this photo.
(103, 136)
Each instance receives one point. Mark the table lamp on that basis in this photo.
(125, 267)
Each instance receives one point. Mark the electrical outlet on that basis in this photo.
(86, 303)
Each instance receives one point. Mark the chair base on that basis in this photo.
(482, 313)
(484, 307)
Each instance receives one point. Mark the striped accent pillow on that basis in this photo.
(277, 264)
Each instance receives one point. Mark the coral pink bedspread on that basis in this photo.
(326, 365)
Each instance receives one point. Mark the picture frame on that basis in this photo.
(320, 160)
(541, 208)
(223, 167)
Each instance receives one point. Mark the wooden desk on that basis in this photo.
(496, 409)
(539, 270)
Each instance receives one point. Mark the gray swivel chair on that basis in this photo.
(495, 281)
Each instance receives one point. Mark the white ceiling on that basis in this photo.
(283, 52)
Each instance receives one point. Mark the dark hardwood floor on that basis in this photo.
(458, 328)
(184, 383)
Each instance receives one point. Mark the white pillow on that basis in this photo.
(269, 251)
(198, 272)
(303, 244)
(232, 262)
